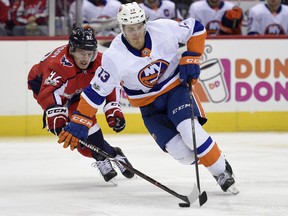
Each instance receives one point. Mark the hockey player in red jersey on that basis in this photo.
(57, 82)
(145, 58)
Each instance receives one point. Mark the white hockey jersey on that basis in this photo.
(209, 17)
(151, 72)
(90, 12)
(262, 21)
(166, 10)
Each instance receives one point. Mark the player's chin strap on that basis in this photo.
(192, 197)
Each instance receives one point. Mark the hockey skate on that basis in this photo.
(226, 180)
(121, 157)
(105, 168)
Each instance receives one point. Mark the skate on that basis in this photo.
(105, 168)
(226, 180)
(121, 157)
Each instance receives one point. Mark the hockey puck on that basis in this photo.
(184, 205)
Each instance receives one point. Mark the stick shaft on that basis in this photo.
(137, 172)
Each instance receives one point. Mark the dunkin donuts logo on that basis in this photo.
(241, 80)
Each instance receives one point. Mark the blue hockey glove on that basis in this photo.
(189, 67)
(76, 129)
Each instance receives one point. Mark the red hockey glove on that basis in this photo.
(189, 67)
(234, 13)
(114, 116)
(76, 129)
(231, 20)
(57, 118)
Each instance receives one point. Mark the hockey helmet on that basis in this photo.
(83, 38)
(130, 13)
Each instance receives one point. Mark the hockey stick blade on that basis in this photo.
(203, 198)
(193, 196)
(188, 199)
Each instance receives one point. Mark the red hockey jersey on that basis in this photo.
(56, 79)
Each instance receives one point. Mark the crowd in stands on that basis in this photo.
(220, 17)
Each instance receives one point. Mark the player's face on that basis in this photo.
(135, 35)
(151, 2)
(214, 3)
(82, 58)
(274, 2)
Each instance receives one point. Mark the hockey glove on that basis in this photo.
(76, 129)
(114, 116)
(189, 67)
(57, 118)
(231, 19)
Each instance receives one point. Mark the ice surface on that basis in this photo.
(40, 178)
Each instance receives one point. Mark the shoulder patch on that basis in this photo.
(65, 62)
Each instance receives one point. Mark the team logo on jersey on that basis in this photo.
(150, 74)
(65, 62)
(274, 29)
(53, 79)
(212, 27)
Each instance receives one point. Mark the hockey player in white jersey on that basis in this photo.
(145, 60)
(218, 17)
(155, 9)
(100, 15)
(270, 18)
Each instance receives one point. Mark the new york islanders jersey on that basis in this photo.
(91, 12)
(209, 17)
(165, 10)
(148, 73)
(263, 21)
(56, 79)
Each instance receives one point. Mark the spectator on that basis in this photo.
(4, 16)
(218, 17)
(270, 18)
(100, 15)
(155, 9)
(30, 18)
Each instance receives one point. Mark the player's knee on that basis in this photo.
(185, 130)
(179, 151)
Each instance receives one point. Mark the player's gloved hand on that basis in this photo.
(114, 116)
(76, 129)
(189, 67)
(232, 18)
(57, 118)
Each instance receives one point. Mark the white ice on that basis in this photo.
(40, 178)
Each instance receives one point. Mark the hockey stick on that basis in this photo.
(192, 197)
(234, 21)
(202, 197)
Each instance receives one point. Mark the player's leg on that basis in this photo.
(96, 138)
(208, 151)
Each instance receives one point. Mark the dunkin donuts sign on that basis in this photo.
(244, 82)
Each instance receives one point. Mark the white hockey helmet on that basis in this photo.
(129, 14)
